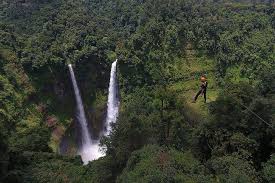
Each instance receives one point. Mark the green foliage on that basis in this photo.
(231, 169)
(148, 117)
(156, 164)
(101, 170)
(268, 169)
(34, 139)
(234, 130)
(163, 46)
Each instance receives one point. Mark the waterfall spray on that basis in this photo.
(89, 150)
(113, 100)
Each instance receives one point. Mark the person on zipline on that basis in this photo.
(202, 90)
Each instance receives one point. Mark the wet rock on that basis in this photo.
(59, 90)
(51, 121)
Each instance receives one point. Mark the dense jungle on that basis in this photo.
(162, 48)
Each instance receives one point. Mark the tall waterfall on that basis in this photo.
(113, 100)
(89, 150)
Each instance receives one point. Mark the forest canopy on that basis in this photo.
(162, 47)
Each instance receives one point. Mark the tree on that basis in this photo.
(268, 169)
(232, 169)
(157, 164)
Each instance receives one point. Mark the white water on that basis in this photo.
(89, 150)
(113, 101)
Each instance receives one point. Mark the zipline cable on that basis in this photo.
(270, 125)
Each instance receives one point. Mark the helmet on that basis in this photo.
(203, 78)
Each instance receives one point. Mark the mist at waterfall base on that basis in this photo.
(113, 100)
(90, 149)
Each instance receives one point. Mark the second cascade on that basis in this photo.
(113, 100)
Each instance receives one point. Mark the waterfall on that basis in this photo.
(89, 150)
(113, 100)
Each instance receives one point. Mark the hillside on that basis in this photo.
(163, 47)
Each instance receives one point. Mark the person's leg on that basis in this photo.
(197, 95)
(204, 95)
